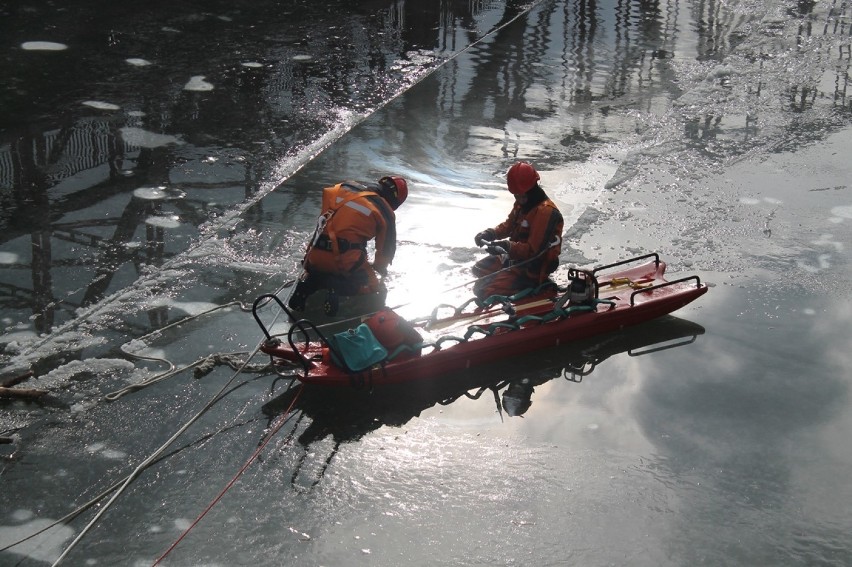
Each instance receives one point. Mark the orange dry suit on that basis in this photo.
(353, 214)
(534, 231)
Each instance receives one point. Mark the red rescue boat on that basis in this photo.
(384, 349)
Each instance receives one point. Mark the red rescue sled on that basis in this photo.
(389, 350)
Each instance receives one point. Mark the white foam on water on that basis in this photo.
(828, 241)
(94, 448)
(15, 343)
(301, 58)
(22, 515)
(150, 193)
(43, 46)
(8, 257)
(146, 139)
(252, 64)
(46, 547)
(92, 366)
(101, 448)
(171, 221)
(197, 83)
(823, 262)
(576, 188)
(114, 454)
(100, 105)
(839, 213)
(188, 307)
(135, 113)
(16, 337)
(137, 62)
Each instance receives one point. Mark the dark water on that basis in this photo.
(144, 207)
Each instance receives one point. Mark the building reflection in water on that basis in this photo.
(74, 229)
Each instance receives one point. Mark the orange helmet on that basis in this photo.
(394, 189)
(521, 178)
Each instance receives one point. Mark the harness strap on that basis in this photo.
(323, 242)
(332, 237)
(324, 237)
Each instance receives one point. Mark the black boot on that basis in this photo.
(298, 298)
(332, 303)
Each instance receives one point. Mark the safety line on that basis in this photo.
(100, 496)
(282, 420)
(557, 240)
(149, 460)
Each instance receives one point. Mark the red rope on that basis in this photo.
(275, 428)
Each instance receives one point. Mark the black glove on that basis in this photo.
(486, 235)
(499, 247)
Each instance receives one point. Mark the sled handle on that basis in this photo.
(277, 300)
(653, 255)
(664, 284)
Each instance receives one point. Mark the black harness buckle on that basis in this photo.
(324, 243)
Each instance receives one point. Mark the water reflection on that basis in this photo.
(749, 426)
(686, 82)
(67, 169)
(346, 415)
(554, 88)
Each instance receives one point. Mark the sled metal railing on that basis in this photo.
(302, 325)
(653, 255)
(665, 284)
(280, 303)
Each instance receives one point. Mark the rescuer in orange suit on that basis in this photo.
(530, 239)
(336, 258)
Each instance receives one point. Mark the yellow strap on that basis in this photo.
(614, 282)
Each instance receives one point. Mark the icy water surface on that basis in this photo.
(161, 170)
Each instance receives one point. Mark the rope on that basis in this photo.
(557, 240)
(149, 460)
(172, 368)
(275, 428)
(482, 303)
(154, 457)
(85, 506)
(202, 366)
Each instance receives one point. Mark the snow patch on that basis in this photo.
(43, 46)
(78, 368)
(197, 83)
(8, 257)
(45, 548)
(841, 213)
(171, 221)
(146, 139)
(100, 105)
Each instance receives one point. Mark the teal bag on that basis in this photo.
(359, 348)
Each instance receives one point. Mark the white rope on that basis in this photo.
(150, 459)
